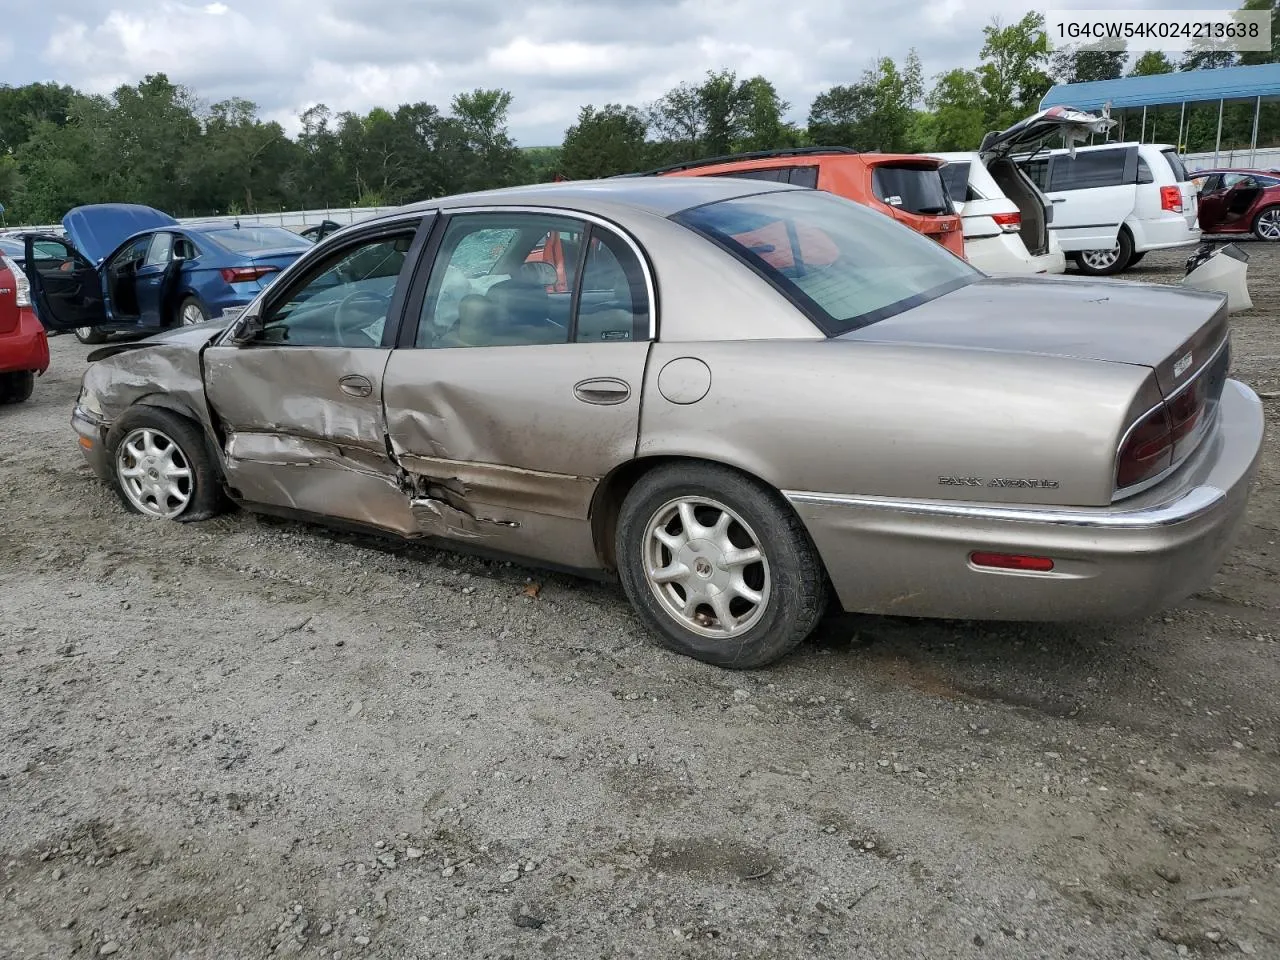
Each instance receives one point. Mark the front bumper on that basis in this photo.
(25, 348)
(92, 431)
(911, 558)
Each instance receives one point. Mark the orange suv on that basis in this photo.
(906, 187)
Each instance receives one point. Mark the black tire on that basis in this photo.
(205, 498)
(1124, 258)
(90, 336)
(187, 304)
(798, 590)
(16, 387)
(1137, 258)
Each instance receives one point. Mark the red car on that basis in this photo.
(24, 347)
(1239, 201)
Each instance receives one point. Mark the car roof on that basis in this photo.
(661, 196)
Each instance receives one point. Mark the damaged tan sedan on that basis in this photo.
(743, 398)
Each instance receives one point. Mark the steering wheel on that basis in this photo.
(341, 320)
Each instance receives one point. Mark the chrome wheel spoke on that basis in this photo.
(720, 604)
(692, 528)
(154, 473)
(670, 573)
(672, 541)
(747, 593)
(740, 558)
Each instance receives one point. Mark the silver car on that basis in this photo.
(744, 399)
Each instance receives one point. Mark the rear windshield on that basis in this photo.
(251, 239)
(843, 264)
(911, 189)
(1175, 164)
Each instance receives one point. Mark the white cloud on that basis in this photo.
(553, 55)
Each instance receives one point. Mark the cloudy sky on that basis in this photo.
(554, 55)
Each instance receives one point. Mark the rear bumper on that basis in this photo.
(1163, 233)
(1006, 255)
(911, 558)
(25, 348)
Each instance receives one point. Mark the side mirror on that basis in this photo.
(246, 330)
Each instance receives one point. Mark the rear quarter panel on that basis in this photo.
(884, 419)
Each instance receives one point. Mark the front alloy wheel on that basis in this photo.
(154, 473)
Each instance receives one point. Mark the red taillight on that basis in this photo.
(1171, 199)
(1147, 450)
(1186, 409)
(246, 274)
(1008, 222)
(1011, 561)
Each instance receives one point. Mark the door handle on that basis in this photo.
(355, 385)
(1059, 199)
(602, 390)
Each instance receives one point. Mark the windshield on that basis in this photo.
(846, 266)
(1175, 163)
(251, 239)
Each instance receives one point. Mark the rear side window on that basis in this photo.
(1176, 165)
(797, 176)
(956, 178)
(1144, 172)
(1097, 168)
(913, 189)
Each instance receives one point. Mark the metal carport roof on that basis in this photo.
(1191, 86)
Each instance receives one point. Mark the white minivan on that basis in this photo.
(1112, 203)
(1006, 218)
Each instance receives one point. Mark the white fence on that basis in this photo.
(290, 219)
(1264, 158)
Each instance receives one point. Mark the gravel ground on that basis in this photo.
(249, 738)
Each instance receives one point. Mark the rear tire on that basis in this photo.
(190, 312)
(90, 336)
(1266, 225)
(17, 387)
(1105, 263)
(161, 468)
(718, 566)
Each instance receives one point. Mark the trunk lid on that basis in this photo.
(1075, 126)
(279, 258)
(1172, 331)
(98, 228)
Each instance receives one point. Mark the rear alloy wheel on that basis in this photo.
(161, 467)
(190, 312)
(718, 566)
(1266, 225)
(90, 335)
(16, 387)
(1101, 263)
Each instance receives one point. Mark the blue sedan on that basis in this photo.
(131, 268)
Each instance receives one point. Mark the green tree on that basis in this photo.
(1085, 64)
(876, 113)
(1012, 72)
(837, 115)
(718, 116)
(604, 142)
(1253, 57)
(958, 108)
(23, 108)
(480, 135)
(1150, 64)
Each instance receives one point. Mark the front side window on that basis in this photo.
(343, 300)
(913, 189)
(844, 265)
(511, 279)
(1097, 168)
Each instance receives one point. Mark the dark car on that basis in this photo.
(1239, 201)
(127, 267)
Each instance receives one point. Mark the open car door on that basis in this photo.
(66, 289)
(1225, 207)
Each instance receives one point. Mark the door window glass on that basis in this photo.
(159, 250)
(501, 280)
(614, 303)
(343, 299)
(1038, 172)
